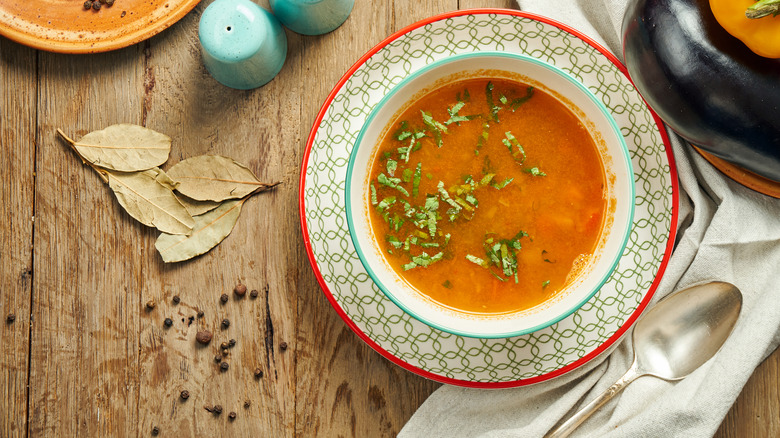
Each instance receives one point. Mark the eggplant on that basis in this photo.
(704, 83)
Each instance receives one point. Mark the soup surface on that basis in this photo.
(486, 195)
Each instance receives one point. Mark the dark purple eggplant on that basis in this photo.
(704, 83)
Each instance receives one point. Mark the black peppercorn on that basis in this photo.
(223, 345)
(203, 336)
(232, 343)
(218, 358)
(225, 352)
(200, 314)
(168, 322)
(283, 346)
(96, 6)
(217, 409)
(176, 299)
(224, 366)
(225, 323)
(109, 2)
(258, 373)
(247, 404)
(185, 395)
(155, 430)
(10, 318)
(88, 4)
(254, 293)
(232, 415)
(223, 298)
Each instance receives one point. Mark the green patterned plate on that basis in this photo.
(442, 356)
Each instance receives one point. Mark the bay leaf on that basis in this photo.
(210, 229)
(148, 197)
(215, 178)
(124, 147)
(197, 208)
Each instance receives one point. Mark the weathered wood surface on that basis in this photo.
(77, 278)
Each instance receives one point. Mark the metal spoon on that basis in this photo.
(671, 340)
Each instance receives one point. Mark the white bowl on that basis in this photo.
(619, 194)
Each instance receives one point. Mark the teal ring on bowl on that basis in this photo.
(349, 187)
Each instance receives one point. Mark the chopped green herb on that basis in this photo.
(406, 175)
(510, 141)
(516, 103)
(455, 117)
(386, 203)
(482, 137)
(502, 184)
(423, 260)
(393, 183)
(447, 284)
(466, 97)
(545, 284)
(391, 166)
(429, 175)
(476, 260)
(486, 179)
(492, 107)
(535, 171)
(392, 240)
(501, 253)
(416, 181)
(373, 194)
(446, 198)
(503, 99)
(438, 128)
(403, 132)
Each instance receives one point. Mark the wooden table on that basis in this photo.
(85, 357)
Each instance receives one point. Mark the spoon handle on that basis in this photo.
(583, 414)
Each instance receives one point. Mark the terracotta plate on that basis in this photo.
(64, 26)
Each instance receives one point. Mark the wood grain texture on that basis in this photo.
(84, 346)
(101, 363)
(17, 164)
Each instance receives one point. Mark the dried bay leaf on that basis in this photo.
(148, 197)
(197, 208)
(210, 229)
(123, 147)
(215, 178)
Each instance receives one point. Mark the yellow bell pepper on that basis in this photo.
(761, 35)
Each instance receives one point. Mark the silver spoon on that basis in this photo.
(671, 340)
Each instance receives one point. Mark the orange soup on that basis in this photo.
(486, 195)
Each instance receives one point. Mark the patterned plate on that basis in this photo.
(441, 356)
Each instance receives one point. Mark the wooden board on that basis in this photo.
(79, 276)
(18, 94)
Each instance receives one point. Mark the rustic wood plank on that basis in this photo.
(755, 413)
(89, 270)
(344, 387)
(17, 142)
(260, 129)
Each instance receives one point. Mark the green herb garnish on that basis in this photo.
(510, 141)
(545, 284)
(492, 107)
(516, 103)
(535, 171)
(416, 179)
(438, 128)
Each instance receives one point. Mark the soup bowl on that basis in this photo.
(618, 193)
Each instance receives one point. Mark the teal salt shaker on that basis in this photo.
(243, 45)
(312, 17)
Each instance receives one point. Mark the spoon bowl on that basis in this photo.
(673, 339)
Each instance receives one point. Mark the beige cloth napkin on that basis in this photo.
(726, 232)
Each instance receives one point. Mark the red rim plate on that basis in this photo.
(465, 383)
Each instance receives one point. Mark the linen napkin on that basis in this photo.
(726, 232)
